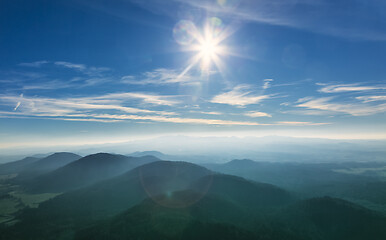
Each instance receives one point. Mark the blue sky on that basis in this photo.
(95, 71)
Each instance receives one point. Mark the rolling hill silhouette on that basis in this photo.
(161, 178)
(292, 175)
(17, 166)
(86, 171)
(246, 193)
(210, 218)
(333, 219)
(181, 200)
(47, 164)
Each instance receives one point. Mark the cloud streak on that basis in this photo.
(108, 108)
(367, 99)
(160, 76)
(239, 96)
(71, 106)
(255, 114)
(34, 64)
(267, 83)
(354, 109)
(145, 97)
(90, 71)
(349, 88)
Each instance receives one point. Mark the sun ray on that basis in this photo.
(192, 63)
(207, 44)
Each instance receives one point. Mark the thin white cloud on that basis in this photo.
(157, 118)
(239, 96)
(255, 114)
(267, 83)
(293, 123)
(308, 112)
(53, 84)
(76, 66)
(304, 99)
(212, 113)
(91, 76)
(348, 88)
(9, 115)
(91, 71)
(34, 64)
(145, 97)
(160, 76)
(108, 118)
(107, 108)
(207, 113)
(367, 99)
(41, 106)
(354, 109)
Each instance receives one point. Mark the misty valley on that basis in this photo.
(140, 196)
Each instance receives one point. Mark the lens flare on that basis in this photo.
(208, 50)
(206, 43)
(183, 32)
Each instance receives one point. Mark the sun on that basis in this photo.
(206, 44)
(208, 50)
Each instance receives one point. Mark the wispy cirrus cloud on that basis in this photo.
(34, 64)
(208, 113)
(308, 112)
(48, 85)
(294, 123)
(160, 76)
(340, 88)
(96, 109)
(88, 70)
(354, 109)
(107, 108)
(168, 119)
(367, 99)
(110, 118)
(82, 76)
(267, 83)
(240, 95)
(80, 67)
(43, 106)
(255, 114)
(207, 121)
(86, 76)
(145, 97)
(62, 84)
(4, 114)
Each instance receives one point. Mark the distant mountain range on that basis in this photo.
(86, 171)
(294, 175)
(111, 196)
(17, 166)
(47, 164)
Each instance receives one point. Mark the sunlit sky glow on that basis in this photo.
(96, 71)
